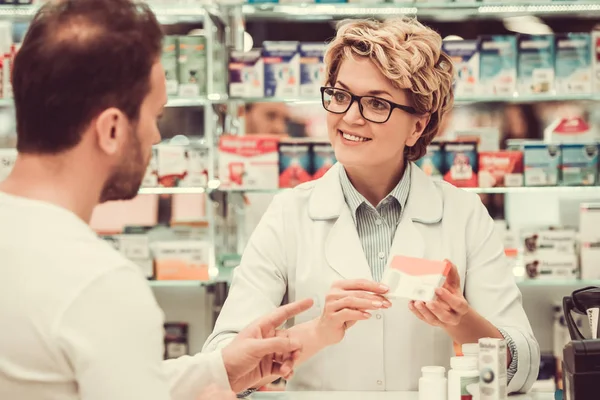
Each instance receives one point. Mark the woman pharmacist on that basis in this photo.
(388, 86)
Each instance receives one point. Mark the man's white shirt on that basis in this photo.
(78, 320)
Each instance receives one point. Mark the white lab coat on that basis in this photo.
(307, 240)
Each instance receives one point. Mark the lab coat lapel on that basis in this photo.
(424, 206)
(343, 249)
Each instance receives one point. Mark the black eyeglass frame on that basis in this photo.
(353, 98)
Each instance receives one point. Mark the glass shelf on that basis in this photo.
(165, 14)
(441, 11)
(537, 189)
(173, 190)
(498, 190)
(575, 283)
(180, 284)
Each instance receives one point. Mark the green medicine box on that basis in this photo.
(192, 66)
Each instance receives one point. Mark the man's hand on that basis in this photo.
(213, 392)
(256, 352)
(449, 308)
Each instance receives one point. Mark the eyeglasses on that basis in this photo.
(373, 109)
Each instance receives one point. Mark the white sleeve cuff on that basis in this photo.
(528, 362)
(189, 375)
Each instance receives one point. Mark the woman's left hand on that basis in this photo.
(450, 306)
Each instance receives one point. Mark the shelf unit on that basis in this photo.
(231, 19)
(439, 11)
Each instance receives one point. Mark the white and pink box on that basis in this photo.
(249, 162)
(415, 278)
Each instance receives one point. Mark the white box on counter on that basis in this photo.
(249, 162)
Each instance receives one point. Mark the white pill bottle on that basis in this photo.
(463, 379)
(433, 384)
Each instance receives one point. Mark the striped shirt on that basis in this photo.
(376, 226)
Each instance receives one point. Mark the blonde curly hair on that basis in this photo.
(410, 55)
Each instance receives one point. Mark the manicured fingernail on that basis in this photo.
(387, 303)
(384, 287)
(439, 291)
(377, 304)
(367, 315)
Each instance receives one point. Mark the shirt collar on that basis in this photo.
(354, 199)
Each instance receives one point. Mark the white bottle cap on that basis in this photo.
(470, 349)
(464, 362)
(433, 372)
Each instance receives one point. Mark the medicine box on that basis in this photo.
(596, 61)
(295, 162)
(590, 260)
(182, 260)
(169, 62)
(500, 169)
(556, 240)
(579, 164)
(551, 265)
(414, 278)
(573, 63)
(312, 68)
(487, 138)
(542, 162)
(7, 162)
(282, 68)
(465, 56)
(246, 74)
(460, 160)
(192, 66)
(492, 369)
(323, 158)
(178, 166)
(249, 162)
(589, 222)
(498, 65)
(535, 64)
(432, 163)
(197, 165)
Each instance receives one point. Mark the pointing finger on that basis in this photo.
(283, 313)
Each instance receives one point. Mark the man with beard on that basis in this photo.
(78, 320)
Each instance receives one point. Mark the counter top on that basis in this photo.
(368, 396)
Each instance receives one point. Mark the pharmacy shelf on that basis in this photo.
(537, 189)
(181, 284)
(438, 10)
(545, 283)
(494, 190)
(164, 13)
(173, 190)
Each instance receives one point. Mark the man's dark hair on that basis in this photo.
(79, 58)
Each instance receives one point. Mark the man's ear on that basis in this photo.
(418, 129)
(111, 130)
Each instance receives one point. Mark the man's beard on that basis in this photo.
(126, 179)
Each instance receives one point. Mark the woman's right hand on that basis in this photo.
(348, 302)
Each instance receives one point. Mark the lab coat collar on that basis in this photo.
(424, 203)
